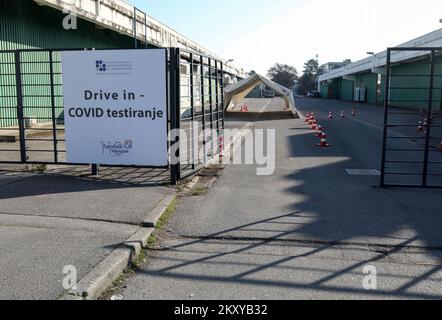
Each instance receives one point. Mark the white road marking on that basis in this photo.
(265, 106)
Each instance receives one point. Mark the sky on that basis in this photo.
(259, 33)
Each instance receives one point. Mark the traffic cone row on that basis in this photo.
(323, 143)
(343, 116)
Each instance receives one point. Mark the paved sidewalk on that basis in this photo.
(50, 221)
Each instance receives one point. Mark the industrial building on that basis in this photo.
(48, 24)
(364, 81)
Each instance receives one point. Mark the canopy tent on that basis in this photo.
(238, 91)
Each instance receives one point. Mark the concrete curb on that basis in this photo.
(150, 221)
(96, 282)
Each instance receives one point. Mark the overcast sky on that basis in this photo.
(258, 33)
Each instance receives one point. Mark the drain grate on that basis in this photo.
(363, 172)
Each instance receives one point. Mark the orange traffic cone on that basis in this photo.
(420, 127)
(353, 113)
(330, 115)
(342, 114)
(323, 143)
(307, 117)
(320, 133)
(314, 126)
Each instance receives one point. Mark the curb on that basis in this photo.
(150, 221)
(97, 281)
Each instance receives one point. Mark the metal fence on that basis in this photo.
(32, 112)
(412, 141)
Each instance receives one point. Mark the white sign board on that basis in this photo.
(115, 107)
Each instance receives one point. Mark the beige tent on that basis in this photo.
(238, 91)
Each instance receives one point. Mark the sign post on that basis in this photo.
(115, 106)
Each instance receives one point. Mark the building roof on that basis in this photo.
(118, 15)
(379, 60)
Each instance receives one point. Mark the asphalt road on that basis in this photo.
(309, 231)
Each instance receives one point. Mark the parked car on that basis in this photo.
(313, 94)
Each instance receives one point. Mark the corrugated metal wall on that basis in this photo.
(410, 81)
(347, 88)
(25, 25)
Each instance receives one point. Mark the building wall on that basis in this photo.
(409, 85)
(25, 25)
(410, 82)
(347, 90)
(323, 90)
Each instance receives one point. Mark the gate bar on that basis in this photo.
(54, 124)
(20, 111)
(430, 111)
(175, 114)
(386, 105)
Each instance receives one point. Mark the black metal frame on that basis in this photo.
(175, 57)
(211, 104)
(425, 147)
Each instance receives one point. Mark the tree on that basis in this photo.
(283, 74)
(309, 79)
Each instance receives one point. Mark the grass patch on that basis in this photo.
(39, 168)
(165, 218)
(199, 191)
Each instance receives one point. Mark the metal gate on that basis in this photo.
(199, 109)
(31, 106)
(412, 141)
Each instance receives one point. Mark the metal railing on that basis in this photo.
(32, 109)
(412, 140)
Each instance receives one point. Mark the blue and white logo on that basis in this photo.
(101, 65)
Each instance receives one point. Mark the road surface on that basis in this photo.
(309, 231)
